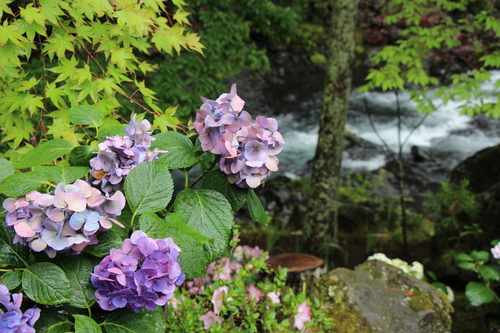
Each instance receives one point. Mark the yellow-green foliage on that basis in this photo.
(55, 55)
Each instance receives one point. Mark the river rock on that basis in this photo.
(481, 169)
(378, 297)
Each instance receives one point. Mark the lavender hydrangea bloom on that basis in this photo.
(13, 320)
(248, 148)
(67, 220)
(120, 154)
(142, 273)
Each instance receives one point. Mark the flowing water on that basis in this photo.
(446, 135)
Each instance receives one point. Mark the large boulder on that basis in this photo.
(378, 297)
(481, 169)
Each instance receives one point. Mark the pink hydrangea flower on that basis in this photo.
(303, 316)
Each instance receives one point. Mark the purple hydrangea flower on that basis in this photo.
(248, 148)
(142, 273)
(120, 154)
(13, 320)
(67, 220)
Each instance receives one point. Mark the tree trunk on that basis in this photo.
(321, 226)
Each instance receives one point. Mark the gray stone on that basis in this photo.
(388, 299)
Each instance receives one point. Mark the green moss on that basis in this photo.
(420, 302)
(375, 272)
(347, 320)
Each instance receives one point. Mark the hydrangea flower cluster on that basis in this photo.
(120, 154)
(248, 147)
(13, 320)
(142, 273)
(68, 220)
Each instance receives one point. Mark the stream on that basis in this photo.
(446, 135)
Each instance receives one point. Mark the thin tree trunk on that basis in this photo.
(321, 220)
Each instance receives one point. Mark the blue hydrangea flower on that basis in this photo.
(120, 154)
(248, 149)
(143, 272)
(67, 220)
(12, 319)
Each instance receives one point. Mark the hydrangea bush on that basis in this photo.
(96, 229)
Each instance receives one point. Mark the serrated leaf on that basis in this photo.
(181, 152)
(78, 271)
(192, 259)
(46, 283)
(11, 280)
(81, 155)
(148, 187)
(255, 208)
(477, 293)
(152, 225)
(107, 240)
(6, 168)
(65, 174)
(217, 181)
(85, 324)
(126, 321)
(21, 183)
(52, 322)
(111, 131)
(85, 115)
(46, 152)
(209, 213)
(11, 254)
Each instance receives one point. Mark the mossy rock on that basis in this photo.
(377, 297)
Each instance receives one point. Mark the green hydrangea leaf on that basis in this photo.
(78, 271)
(85, 324)
(85, 115)
(111, 131)
(11, 254)
(22, 183)
(148, 187)
(11, 280)
(65, 174)
(81, 155)
(44, 153)
(52, 321)
(6, 168)
(192, 259)
(46, 283)
(181, 152)
(126, 321)
(209, 213)
(217, 181)
(257, 212)
(107, 240)
(152, 225)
